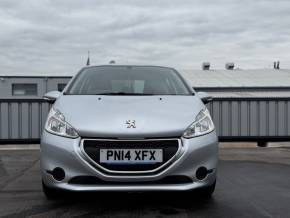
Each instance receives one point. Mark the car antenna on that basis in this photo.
(88, 61)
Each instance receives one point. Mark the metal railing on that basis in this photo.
(251, 119)
(236, 119)
(22, 120)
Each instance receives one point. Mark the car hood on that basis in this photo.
(106, 116)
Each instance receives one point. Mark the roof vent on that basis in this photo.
(230, 66)
(277, 65)
(205, 65)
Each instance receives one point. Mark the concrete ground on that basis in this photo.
(252, 182)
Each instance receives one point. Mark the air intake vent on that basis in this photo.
(277, 65)
(205, 65)
(230, 66)
(91, 180)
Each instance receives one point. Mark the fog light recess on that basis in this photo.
(201, 173)
(58, 174)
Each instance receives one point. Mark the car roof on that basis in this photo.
(121, 65)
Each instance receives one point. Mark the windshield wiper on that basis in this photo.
(122, 93)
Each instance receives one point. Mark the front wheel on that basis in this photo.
(207, 192)
(51, 193)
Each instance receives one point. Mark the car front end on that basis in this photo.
(129, 143)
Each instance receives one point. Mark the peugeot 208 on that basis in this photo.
(128, 128)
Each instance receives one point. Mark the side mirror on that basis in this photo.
(51, 96)
(206, 98)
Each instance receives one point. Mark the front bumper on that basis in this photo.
(65, 153)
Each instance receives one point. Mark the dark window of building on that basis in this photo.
(24, 89)
(60, 86)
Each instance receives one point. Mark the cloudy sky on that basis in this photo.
(53, 36)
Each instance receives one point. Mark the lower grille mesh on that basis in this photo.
(91, 180)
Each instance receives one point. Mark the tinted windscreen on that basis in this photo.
(122, 80)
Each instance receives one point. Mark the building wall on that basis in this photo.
(52, 83)
(236, 119)
(44, 84)
(243, 116)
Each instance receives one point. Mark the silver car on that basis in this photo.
(128, 128)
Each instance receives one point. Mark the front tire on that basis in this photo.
(207, 192)
(51, 193)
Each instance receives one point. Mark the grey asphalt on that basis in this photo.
(252, 182)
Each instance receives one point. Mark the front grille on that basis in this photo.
(91, 180)
(92, 150)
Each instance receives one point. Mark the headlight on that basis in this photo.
(56, 124)
(202, 125)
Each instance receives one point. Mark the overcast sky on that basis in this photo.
(46, 36)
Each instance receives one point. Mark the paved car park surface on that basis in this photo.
(252, 182)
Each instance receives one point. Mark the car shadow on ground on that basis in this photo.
(162, 203)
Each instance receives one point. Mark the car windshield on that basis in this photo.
(128, 80)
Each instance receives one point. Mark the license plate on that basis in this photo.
(131, 156)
